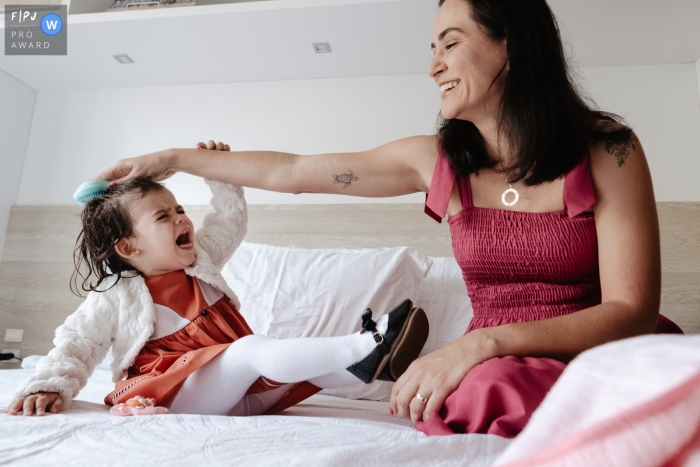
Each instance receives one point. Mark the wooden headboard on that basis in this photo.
(37, 258)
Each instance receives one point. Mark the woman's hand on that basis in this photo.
(158, 165)
(437, 375)
(37, 403)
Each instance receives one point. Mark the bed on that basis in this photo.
(324, 430)
(341, 427)
(642, 410)
(332, 428)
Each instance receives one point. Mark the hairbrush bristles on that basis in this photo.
(88, 190)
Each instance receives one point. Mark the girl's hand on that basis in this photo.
(37, 403)
(214, 146)
(157, 165)
(437, 375)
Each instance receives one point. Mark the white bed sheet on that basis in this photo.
(323, 430)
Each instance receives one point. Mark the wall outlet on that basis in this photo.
(12, 351)
(14, 335)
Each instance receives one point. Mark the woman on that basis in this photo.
(550, 204)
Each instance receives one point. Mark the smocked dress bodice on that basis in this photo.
(522, 266)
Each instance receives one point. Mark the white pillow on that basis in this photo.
(297, 292)
(443, 296)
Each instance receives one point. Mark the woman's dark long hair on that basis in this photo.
(542, 114)
(105, 221)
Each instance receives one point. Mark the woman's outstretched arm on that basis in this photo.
(397, 168)
(630, 277)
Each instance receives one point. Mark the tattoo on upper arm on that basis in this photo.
(620, 149)
(347, 179)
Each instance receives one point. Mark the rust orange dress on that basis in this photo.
(195, 322)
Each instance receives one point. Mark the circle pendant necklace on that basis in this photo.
(507, 192)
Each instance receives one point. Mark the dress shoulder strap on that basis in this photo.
(578, 188)
(579, 194)
(464, 187)
(438, 196)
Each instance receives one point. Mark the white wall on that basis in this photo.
(661, 103)
(16, 107)
(697, 72)
(76, 134)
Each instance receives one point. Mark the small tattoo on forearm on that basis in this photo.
(347, 179)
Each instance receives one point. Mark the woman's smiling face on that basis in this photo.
(465, 63)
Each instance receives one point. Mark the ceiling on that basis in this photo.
(271, 40)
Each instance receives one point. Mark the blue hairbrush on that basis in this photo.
(88, 190)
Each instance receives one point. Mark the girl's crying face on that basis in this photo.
(164, 235)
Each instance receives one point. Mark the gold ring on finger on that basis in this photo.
(422, 399)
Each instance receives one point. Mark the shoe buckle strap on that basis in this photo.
(368, 323)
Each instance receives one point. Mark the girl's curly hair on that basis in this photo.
(106, 220)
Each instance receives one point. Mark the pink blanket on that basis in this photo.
(631, 403)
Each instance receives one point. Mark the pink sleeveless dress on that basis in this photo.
(518, 267)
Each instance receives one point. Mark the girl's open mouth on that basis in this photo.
(183, 240)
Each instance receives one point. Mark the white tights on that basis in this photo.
(219, 387)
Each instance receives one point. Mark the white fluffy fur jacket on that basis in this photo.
(123, 317)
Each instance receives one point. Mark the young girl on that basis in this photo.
(161, 304)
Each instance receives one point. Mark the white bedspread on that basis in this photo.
(323, 430)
